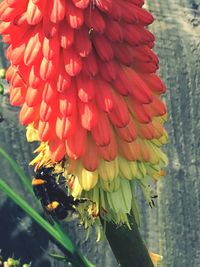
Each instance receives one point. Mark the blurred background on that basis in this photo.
(173, 227)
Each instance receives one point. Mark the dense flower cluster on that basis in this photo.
(83, 72)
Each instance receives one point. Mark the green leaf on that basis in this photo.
(56, 231)
(24, 179)
(127, 245)
(1, 89)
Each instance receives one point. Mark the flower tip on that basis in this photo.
(156, 258)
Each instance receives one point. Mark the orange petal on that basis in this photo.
(120, 116)
(17, 95)
(130, 151)
(102, 132)
(127, 133)
(57, 148)
(90, 158)
(34, 13)
(33, 96)
(28, 114)
(68, 101)
(108, 152)
(66, 126)
(46, 130)
(76, 144)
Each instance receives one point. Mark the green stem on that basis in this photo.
(55, 232)
(18, 170)
(127, 245)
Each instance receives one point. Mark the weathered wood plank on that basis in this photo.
(172, 228)
(178, 41)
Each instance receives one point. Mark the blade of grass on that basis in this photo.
(26, 182)
(59, 229)
(56, 232)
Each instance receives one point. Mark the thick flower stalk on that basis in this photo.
(84, 74)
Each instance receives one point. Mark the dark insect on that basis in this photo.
(90, 32)
(152, 203)
(53, 198)
(1, 117)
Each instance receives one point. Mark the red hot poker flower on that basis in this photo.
(83, 73)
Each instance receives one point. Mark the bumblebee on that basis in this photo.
(1, 117)
(53, 198)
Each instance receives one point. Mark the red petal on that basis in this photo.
(122, 84)
(50, 29)
(108, 152)
(33, 48)
(10, 72)
(103, 47)
(17, 54)
(76, 144)
(17, 95)
(46, 130)
(68, 102)
(139, 90)
(47, 111)
(74, 16)
(145, 67)
(94, 20)
(144, 151)
(63, 80)
(48, 68)
(114, 31)
(108, 70)
(104, 96)
(6, 27)
(120, 115)
(156, 108)
(90, 65)
(34, 80)
(72, 62)
(57, 148)
(56, 10)
(16, 80)
(82, 42)
(90, 158)
(130, 151)
(154, 82)
(127, 133)
(105, 5)
(49, 92)
(85, 87)
(50, 48)
(122, 53)
(33, 96)
(88, 115)
(66, 126)
(34, 14)
(28, 114)
(81, 3)
(66, 34)
(146, 131)
(102, 132)
(139, 112)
